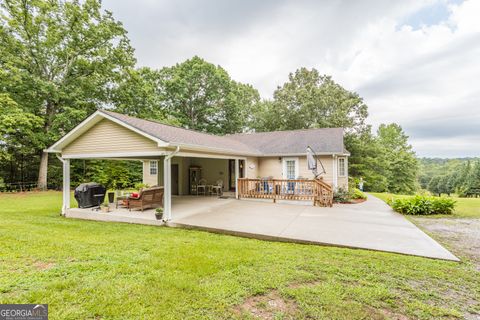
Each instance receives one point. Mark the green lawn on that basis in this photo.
(98, 270)
(465, 207)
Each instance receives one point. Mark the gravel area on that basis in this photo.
(461, 236)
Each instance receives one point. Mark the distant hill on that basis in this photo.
(440, 167)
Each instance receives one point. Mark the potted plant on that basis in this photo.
(104, 207)
(159, 213)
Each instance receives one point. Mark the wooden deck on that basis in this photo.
(315, 190)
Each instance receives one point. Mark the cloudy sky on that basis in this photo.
(416, 63)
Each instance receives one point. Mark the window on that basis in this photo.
(290, 168)
(153, 167)
(342, 167)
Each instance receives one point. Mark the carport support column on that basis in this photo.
(237, 173)
(66, 186)
(167, 188)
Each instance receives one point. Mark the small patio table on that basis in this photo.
(209, 189)
(122, 200)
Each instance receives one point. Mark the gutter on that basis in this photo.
(59, 158)
(173, 153)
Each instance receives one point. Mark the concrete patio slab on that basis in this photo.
(119, 215)
(369, 225)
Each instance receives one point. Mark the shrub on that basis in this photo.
(357, 194)
(443, 205)
(341, 195)
(140, 185)
(423, 205)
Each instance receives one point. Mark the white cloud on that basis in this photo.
(422, 76)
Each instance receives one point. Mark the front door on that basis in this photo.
(231, 173)
(174, 179)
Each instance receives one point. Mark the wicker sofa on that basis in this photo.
(147, 198)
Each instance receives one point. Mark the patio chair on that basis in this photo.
(147, 198)
(202, 187)
(218, 187)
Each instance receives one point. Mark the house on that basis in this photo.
(176, 158)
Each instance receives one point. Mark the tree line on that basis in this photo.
(447, 176)
(61, 60)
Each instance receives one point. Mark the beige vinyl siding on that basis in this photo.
(249, 172)
(150, 179)
(108, 137)
(327, 162)
(272, 166)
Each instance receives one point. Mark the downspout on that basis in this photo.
(173, 153)
(167, 184)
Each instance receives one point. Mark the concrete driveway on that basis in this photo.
(369, 225)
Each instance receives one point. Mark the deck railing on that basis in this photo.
(315, 190)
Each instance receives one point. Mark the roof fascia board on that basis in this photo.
(209, 156)
(112, 155)
(214, 150)
(298, 154)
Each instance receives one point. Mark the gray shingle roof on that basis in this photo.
(325, 140)
(177, 135)
(329, 140)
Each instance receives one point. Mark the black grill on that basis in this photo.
(90, 194)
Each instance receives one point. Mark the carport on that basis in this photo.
(112, 136)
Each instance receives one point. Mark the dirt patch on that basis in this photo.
(42, 265)
(461, 236)
(268, 306)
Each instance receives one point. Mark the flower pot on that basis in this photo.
(111, 197)
(159, 216)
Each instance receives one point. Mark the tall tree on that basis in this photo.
(368, 160)
(18, 129)
(60, 60)
(472, 183)
(434, 185)
(402, 163)
(310, 100)
(203, 97)
(265, 117)
(141, 94)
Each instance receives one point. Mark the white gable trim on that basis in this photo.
(93, 119)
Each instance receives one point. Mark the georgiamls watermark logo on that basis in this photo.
(23, 311)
